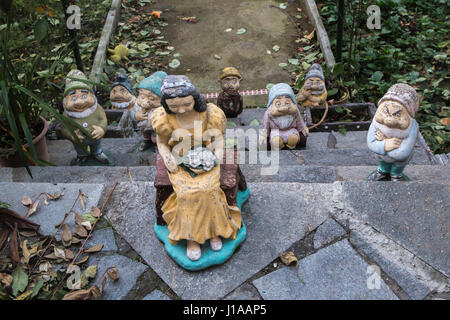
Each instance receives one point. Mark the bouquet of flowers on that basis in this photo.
(198, 158)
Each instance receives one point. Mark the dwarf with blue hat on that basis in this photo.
(314, 92)
(148, 100)
(283, 124)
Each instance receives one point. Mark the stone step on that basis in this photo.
(252, 173)
(350, 150)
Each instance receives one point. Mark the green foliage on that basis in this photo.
(411, 47)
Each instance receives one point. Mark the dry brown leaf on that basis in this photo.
(288, 257)
(83, 260)
(79, 219)
(26, 253)
(45, 266)
(95, 248)
(299, 9)
(46, 202)
(83, 197)
(6, 279)
(26, 201)
(69, 254)
(33, 208)
(66, 236)
(445, 121)
(103, 284)
(79, 230)
(75, 240)
(95, 212)
(96, 292)
(78, 295)
(28, 234)
(51, 256)
(14, 246)
(112, 273)
(54, 196)
(311, 35)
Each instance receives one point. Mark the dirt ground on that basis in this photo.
(198, 43)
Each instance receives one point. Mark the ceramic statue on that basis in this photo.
(80, 104)
(393, 132)
(229, 100)
(283, 124)
(148, 100)
(121, 94)
(200, 222)
(314, 92)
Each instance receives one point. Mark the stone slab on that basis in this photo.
(272, 228)
(327, 232)
(156, 295)
(77, 174)
(290, 173)
(336, 272)
(412, 285)
(248, 115)
(49, 216)
(430, 173)
(244, 292)
(414, 214)
(350, 157)
(128, 272)
(103, 236)
(6, 174)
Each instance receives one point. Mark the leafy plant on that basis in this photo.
(21, 106)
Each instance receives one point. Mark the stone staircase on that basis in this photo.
(342, 228)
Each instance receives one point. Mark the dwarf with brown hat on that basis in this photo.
(229, 100)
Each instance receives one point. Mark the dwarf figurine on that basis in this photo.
(314, 92)
(81, 105)
(121, 94)
(148, 100)
(229, 100)
(393, 132)
(283, 124)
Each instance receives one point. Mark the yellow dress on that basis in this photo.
(197, 209)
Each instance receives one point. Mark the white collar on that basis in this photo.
(123, 105)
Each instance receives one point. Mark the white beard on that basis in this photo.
(83, 114)
(122, 105)
(392, 132)
(283, 122)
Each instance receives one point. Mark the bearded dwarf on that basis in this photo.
(314, 92)
(229, 100)
(149, 99)
(393, 132)
(121, 94)
(81, 105)
(283, 124)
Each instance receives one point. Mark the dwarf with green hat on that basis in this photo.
(121, 94)
(314, 92)
(80, 104)
(148, 100)
(393, 132)
(229, 100)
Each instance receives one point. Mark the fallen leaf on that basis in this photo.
(45, 266)
(113, 273)
(24, 295)
(20, 280)
(79, 230)
(28, 234)
(89, 217)
(46, 202)
(54, 196)
(175, 63)
(59, 253)
(445, 121)
(241, 31)
(95, 248)
(276, 48)
(33, 208)
(83, 260)
(299, 9)
(51, 256)
(156, 14)
(95, 212)
(229, 30)
(66, 236)
(83, 197)
(37, 287)
(283, 6)
(26, 201)
(6, 279)
(288, 257)
(311, 35)
(75, 240)
(88, 274)
(217, 57)
(103, 284)
(96, 292)
(78, 219)
(87, 225)
(69, 254)
(77, 295)
(14, 246)
(26, 253)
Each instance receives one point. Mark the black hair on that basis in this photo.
(200, 102)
